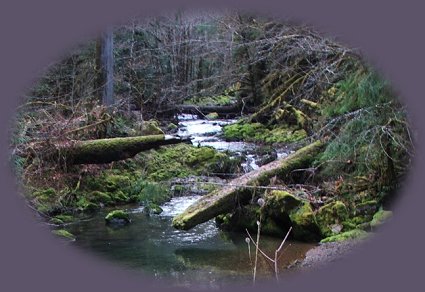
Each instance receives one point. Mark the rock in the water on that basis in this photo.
(117, 217)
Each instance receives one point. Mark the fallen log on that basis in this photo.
(239, 190)
(113, 149)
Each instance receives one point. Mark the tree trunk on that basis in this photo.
(113, 149)
(105, 68)
(239, 190)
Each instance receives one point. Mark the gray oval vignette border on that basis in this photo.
(35, 32)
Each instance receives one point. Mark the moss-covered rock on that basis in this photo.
(329, 215)
(64, 234)
(212, 116)
(289, 210)
(117, 217)
(150, 127)
(352, 234)
(380, 217)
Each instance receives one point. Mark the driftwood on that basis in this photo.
(239, 190)
(113, 149)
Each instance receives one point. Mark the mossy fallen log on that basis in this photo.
(113, 149)
(239, 190)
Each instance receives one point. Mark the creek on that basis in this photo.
(203, 257)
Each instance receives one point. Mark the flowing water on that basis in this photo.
(208, 133)
(203, 257)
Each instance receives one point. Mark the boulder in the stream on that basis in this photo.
(117, 217)
(281, 210)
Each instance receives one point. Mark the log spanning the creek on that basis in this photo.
(239, 190)
(107, 150)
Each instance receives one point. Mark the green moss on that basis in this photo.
(117, 216)
(64, 233)
(56, 221)
(330, 214)
(281, 201)
(172, 126)
(62, 219)
(257, 132)
(212, 116)
(304, 223)
(100, 197)
(352, 234)
(84, 205)
(120, 196)
(65, 218)
(45, 194)
(115, 182)
(281, 206)
(150, 128)
(183, 160)
(380, 217)
(217, 100)
(152, 208)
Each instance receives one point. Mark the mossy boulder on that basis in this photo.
(118, 217)
(352, 234)
(150, 127)
(212, 116)
(380, 217)
(64, 234)
(288, 210)
(329, 215)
